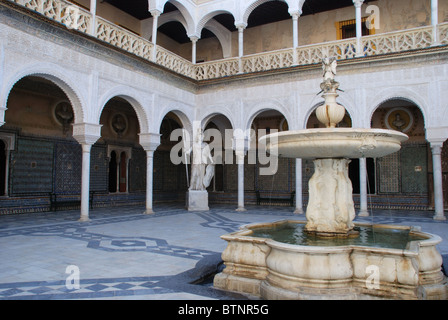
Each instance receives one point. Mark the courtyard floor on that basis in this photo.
(123, 254)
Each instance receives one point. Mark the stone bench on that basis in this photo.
(267, 197)
(67, 200)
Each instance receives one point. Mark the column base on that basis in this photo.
(148, 211)
(363, 213)
(241, 209)
(299, 211)
(84, 219)
(439, 217)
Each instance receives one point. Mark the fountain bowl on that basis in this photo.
(334, 143)
(261, 266)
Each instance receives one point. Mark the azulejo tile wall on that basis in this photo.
(32, 166)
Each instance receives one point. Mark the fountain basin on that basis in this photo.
(259, 265)
(334, 143)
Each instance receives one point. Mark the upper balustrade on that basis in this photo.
(77, 18)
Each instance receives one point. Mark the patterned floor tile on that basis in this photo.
(170, 251)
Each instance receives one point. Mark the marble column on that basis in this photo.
(436, 149)
(155, 23)
(240, 27)
(295, 35)
(85, 182)
(435, 22)
(86, 134)
(149, 142)
(2, 115)
(93, 12)
(194, 41)
(241, 146)
(149, 181)
(358, 5)
(363, 212)
(240, 162)
(299, 199)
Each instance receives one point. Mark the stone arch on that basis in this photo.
(207, 17)
(224, 36)
(173, 17)
(190, 25)
(402, 114)
(269, 105)
(222, 149)
(397, 94)
(251, 7)
(130, 96)
(185, 120)
(207, 118)
(56, 76)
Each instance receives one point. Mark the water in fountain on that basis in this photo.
(369, 236)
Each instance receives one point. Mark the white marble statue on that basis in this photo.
(202, 167)
(329, 66)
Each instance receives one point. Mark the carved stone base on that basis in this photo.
(197, 200)
(331, 209)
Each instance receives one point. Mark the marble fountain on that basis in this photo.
(328, 256)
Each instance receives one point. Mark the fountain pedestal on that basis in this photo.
(331, 209)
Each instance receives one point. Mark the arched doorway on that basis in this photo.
(46, 159)
(220, 128)
(119, 157)
(268, 176)
(170, 177)
(402, 178)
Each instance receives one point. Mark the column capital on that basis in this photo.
(240, 144)
(295, 14)
(358, 3)
(155, 12)
(2, 115)
(86, 133)
(194, 38)
(240, 26)
(149, 141)
(436, 148)
(436, 136)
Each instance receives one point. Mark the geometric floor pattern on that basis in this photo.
(90, 288)
(162, 253)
